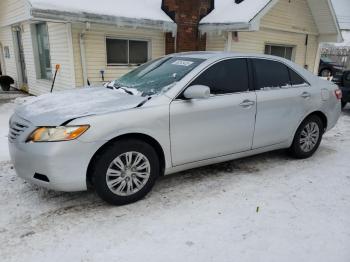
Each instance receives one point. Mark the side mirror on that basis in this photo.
(197, 92)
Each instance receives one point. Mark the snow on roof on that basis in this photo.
(346, 37)
(227, 11)
(136, 9)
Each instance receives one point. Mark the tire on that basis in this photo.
(141, 155)
(5, 87)
(304, 150)
(326, 72)
(343, 104)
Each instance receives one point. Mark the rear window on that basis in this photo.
(270, 74)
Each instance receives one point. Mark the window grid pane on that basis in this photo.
(43, 51)
(126, 51)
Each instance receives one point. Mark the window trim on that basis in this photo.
(294, 47)
(307, 83)
(36, 54)
(250, 86)
(128, 39)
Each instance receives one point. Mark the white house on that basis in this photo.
(97, 41)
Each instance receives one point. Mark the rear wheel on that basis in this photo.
(307, 138)
(125, 171)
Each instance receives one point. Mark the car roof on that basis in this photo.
(221, 55)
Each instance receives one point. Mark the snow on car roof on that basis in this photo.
(227, 11)
(138, 9)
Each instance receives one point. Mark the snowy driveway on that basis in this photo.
(263, 208)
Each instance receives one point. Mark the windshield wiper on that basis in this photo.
(124, 89)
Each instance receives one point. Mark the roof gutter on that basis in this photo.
(212, 27)
(166, 26)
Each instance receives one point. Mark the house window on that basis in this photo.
(43, 51)
(126, 51)
(280, 50)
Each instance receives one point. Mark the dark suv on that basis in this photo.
(330, 68)
(345, 88)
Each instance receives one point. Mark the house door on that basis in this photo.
(21, 65)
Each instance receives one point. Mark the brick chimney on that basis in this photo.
(186, 14)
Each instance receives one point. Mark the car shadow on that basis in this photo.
(76, 201)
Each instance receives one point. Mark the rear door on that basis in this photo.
(220, 125)
(283, 99)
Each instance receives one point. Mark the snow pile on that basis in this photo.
(227, 11)
(263, 208)
(139, 9)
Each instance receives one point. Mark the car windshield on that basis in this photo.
(156, 76)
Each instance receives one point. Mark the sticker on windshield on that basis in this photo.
(182, 63)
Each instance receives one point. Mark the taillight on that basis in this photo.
(338, 93)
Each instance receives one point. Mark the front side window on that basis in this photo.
(125, 51)
(279, 50)
(270, 74)
(228, 76)
(43, 48)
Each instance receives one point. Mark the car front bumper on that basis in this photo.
(64, 164)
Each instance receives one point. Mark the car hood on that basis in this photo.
(57, 108)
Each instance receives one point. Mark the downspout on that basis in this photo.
(229, 42)
(306, 66)
(83, 57)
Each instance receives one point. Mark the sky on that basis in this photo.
(342, 9)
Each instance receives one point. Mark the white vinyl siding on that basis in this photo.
(95, 50)
(13, 11)
(60, 54)
(292, 16)
(6, 39)
(281, 26)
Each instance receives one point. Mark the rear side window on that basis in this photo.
(295, 79)
(228, 76)
(270, 74)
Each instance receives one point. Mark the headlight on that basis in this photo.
(54, 134)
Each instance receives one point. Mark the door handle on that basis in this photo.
(247, 103)
(305, 95)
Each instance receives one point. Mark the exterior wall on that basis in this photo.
(291, 16)
(59, 37)
(13, 11)
(6, 39)
(95, 50)
(285, 24)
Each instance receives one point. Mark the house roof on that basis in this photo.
(246, 15)
(140, 13)
(227, 11)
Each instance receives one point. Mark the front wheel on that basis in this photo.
(125, 171)
(307, 138)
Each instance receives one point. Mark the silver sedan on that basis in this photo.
(174, 113)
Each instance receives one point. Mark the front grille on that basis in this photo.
(16, 129)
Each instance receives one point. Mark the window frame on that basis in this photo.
(253, 72)
(128, 39)
(282, 45)
(34, 34)
(180, 96)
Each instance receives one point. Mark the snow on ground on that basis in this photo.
(263, 208)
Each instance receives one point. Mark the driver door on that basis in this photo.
(223, 124)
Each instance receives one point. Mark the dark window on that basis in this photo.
(228, 76)
(296, 79)
(270, 74)
(279, 50)
(44, 63)
(123, 51)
